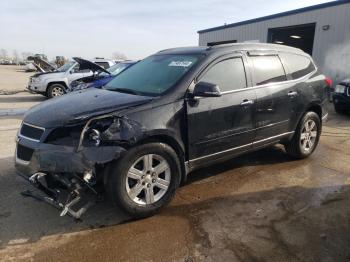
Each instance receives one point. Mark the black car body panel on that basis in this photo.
(341, 100)
(202, 130)
(84, 104)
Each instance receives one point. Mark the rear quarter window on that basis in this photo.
(297, 65)
(267, 69)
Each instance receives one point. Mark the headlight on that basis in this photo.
(108, 130)
(95, 136)
(35, 79)
(339, 89)
(100, 131)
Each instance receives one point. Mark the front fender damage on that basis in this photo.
(70, 175)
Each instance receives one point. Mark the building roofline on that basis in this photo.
(291, 12)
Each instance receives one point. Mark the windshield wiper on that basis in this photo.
(123, 90)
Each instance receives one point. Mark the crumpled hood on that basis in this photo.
(64, 109)
(88, 65)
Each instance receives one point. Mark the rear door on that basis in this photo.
(300, 71)
(220, 125)
(275, 97)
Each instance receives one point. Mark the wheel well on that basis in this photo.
(317, 109)
(174, 145)
(58, 82)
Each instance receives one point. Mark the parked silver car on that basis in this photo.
(55, 83)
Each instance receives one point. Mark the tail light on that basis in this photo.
(329, 82)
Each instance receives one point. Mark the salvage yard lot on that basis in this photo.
(260, 206)
(13, 79)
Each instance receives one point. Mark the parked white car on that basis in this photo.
(55, 83)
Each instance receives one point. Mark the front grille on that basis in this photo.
(31, 132)
(24, 153)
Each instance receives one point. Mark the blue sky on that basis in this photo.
(136, 28)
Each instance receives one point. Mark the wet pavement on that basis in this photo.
(262, 206)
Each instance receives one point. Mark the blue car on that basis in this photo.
(101, 77)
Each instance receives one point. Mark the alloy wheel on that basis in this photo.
(57, 91)
(148, 179)
(308, 135)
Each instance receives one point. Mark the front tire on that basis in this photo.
(144, 179)
(306, 136)
(55, 90)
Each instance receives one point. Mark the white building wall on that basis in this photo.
(325, 42)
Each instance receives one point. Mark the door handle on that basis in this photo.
(247, 102)
(292, 94)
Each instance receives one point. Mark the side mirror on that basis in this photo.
(205, 89)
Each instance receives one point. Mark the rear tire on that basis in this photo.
(56, 90)
(144, 179)
(306, 136)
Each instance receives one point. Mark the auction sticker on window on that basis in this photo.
(180, 63)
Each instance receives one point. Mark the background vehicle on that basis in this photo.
(100, 78)
(105, 63)
(341, 96)
(169, 114)
(56, 83)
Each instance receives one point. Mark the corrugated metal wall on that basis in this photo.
(325, 42)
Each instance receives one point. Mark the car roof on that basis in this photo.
(231, 47)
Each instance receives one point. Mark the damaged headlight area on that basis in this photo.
(110, 130)
(107, 130)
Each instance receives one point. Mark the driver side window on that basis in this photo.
(76, 69)
(228, 74)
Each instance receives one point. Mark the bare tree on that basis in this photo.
(15, 56)
(3, 54)
(119, 56)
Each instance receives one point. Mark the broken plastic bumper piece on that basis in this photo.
(66, 192)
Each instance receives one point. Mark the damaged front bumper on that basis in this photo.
(65, 175)
(68, 194)
(48, 158)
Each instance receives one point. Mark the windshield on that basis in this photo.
(153, 75)
(117, 69)
(65, 67)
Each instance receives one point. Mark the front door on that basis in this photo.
(218, 126)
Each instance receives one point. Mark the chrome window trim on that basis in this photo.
(238, 147)
(271, 84)
(238, 54)
(267, 85)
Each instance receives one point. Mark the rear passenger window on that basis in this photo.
(268, 69)
(228, 74)
(297, 65)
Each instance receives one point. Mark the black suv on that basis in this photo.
(341, 96)
(139, 136)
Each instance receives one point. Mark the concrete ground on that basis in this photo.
(13, 79)
(262, 206)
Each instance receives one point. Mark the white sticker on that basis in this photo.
(180, 63)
